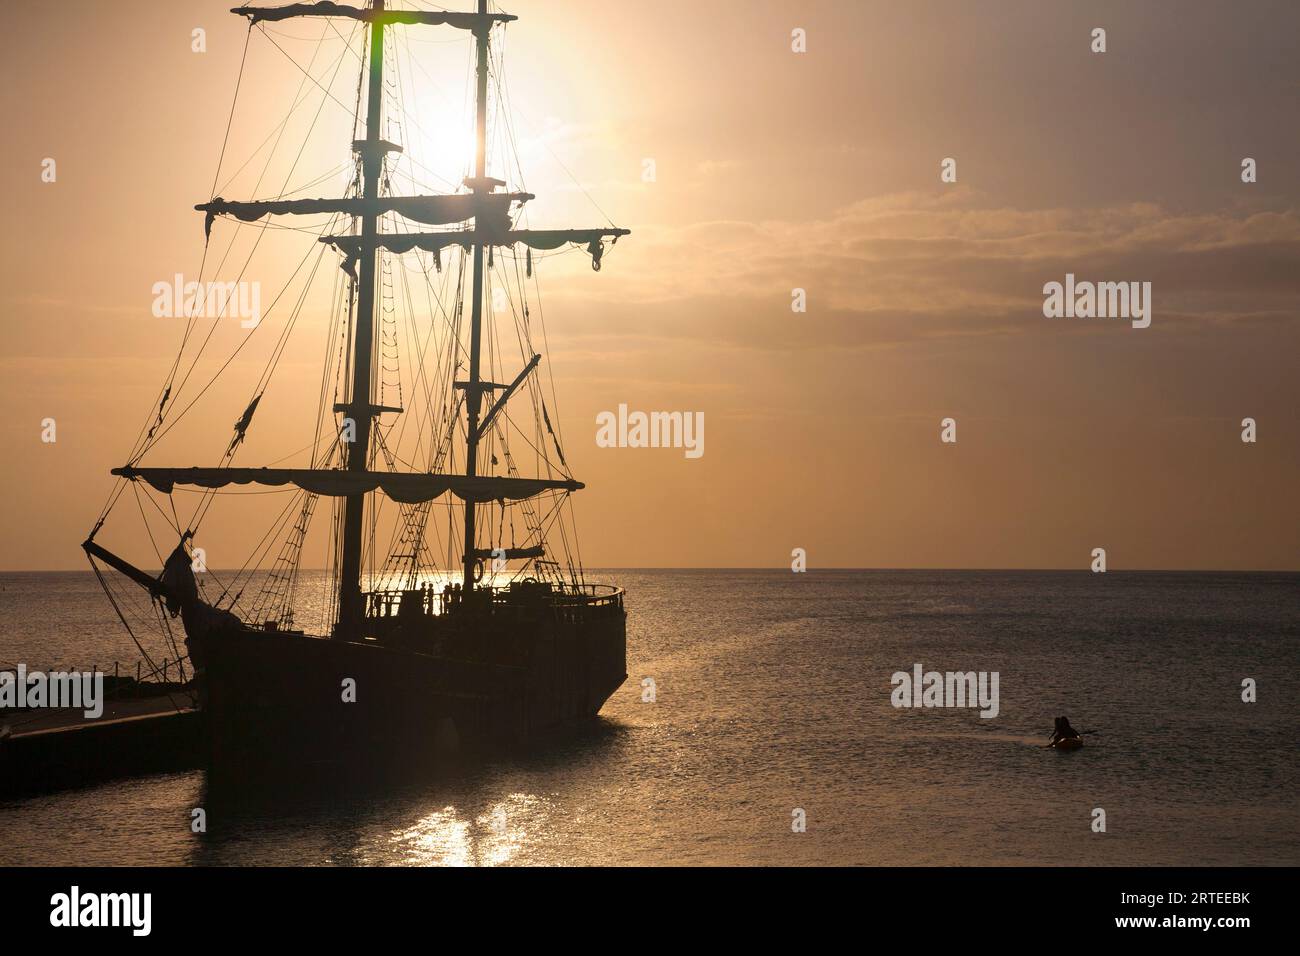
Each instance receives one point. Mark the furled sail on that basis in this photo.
(325, 8)
(490, 210)
(435, 242)
(404, 487)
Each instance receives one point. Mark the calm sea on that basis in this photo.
(772, 694)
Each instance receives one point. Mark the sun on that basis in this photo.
(434, 117)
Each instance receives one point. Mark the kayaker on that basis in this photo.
(1063, 730)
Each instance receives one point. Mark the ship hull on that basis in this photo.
(276, 700)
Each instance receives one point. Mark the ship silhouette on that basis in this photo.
(505, 643)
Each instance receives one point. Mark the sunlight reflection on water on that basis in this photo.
(447, 838)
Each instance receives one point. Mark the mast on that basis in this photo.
(372, 150)
(474, 388)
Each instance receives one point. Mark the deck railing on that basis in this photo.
(568, 600)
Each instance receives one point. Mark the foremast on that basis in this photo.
(474, 387)
(359, 411)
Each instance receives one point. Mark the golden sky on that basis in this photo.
(774, 170)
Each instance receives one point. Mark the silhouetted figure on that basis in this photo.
(1063, 730)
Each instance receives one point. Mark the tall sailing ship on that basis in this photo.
(500, 640)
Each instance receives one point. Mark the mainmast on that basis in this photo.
(474, 387)
(361, 412)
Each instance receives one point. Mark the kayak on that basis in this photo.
(1069, 743)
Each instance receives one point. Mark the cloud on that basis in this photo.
(909, 266)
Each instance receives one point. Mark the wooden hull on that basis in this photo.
(275, 699)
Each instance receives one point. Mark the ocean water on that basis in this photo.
(773, 695)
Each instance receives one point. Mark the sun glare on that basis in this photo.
(434, 116)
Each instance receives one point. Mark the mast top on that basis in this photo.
(475, 22)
